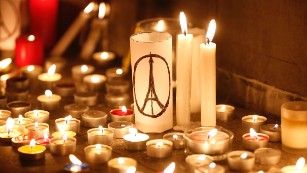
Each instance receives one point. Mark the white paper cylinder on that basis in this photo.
(156, 114)
(208, 84)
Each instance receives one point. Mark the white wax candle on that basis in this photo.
(208, 80)
(183, 73)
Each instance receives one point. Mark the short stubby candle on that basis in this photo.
(267, 156)
(224, 113)
(135, 141)
(100, 135)
(21, 122)
(196, 161)
(114, 74)
(252, 121)
(63, 145)
(241, 160)
(120, 128)
(94, 82)
(253, 140)
(122, 114)
(39, 116)
(48, 79)
(32, 151)
(76, 165)
(86, 98)
(5, 114)
(214, 141)
(104, 57)
(176, 138)
(122, 164)
(98, 154)
(37, 130)
(9, 132)
(68, 124)
(76, 110)
(79, 71)
(159, 148)
(49, 101)
(29, 51)
(94, 118)
(272, 130)
(65, 88)
(31, 71)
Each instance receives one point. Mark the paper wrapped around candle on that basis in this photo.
(66, 124)
(151, 60)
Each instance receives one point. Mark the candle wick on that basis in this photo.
(185, 33)
(207, 40)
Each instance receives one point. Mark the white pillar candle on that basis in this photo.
(73, 30)
(183, 74)
(208, 79)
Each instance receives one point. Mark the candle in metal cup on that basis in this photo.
(49, 101)
(76, 110)
(68, 124)
(241, 160)
(298, 167)
(48, 79)
(119, 87)
(37, 130)
(252, 121)
(135, 141)
(98, 154)
(21, 122)
(65, 88)
(9, 132)
(224, 113)
(94, 118)
(272, 130)
(100, 135)
(63, 145)
(195, 161)
(17, 82)
(32, 151)
(79, 71)
(31, 71)
(18, 108)
(122, 164)
(253, 140)
(176, 138)
(5, 114)
(120, 128)
(103, 57)
(267, 156)
(86, 98)
(159, 148)
(114, 74)
(122, 114)
(116, 100)
(39, 116)
(94, 82)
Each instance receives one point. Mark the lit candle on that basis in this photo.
(6, 137)
(45, 141)
(159, 148)
(79, 71)
(120, 128)
(65, 88)
(183, 74)
(48, 79)
(76, 165)
(253, 140)
(118, 87)
(176, 138)
(49, 101)
(37, 130)
(61, 133)
(18, 107)
(212, 168)
(114, 74)
(39, 116)
(68, 124)
(98, 154)
(300, 167)
(267, 156)
(32, 151)
(134, 140)
(94, 118)
(94, 82)
(272, 130)
(73, 30)
(76, 110)
(196, 161)
(208, 78)
(104, 57)
(5, 65)
(21, 122)
(122, 114)
(224, 113)
(86, 98)
(100, 135)
(241, 160)
(170, 168)
(116, 100)
(32, 72)
(122, 164)
(63, 145)
(29, 50)
(5, 114)
(252, 121)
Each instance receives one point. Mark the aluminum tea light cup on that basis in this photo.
(253, 140)
(120, 128)
(241, 160)
(252, 121)
(65, 88)
(63, 145)
(272, 130)
(121, 86)
(94, 118)
(68, 124)
(195, 161)
(79, 71)
(49, 101)
(176, 138)
(18, 108)
(37, 130)
(135, 141)
(224, 113)
(31, 151)
(76, 110)
(100, 135)
(267, 156)
(86, 98)
(121, 165)
(159, 148)
(39, 116)
(98, 154)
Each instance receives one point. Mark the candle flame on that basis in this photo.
(133, 131)
(102, 10)
(98, 146)
(51, 70)
(36, 112)
(95, 79)
(211, 30)
(183, 23)
(100, 129)
(202, 157)
(300, 164)
(170, 168)
(84, 68)
(276, 126)
(160, 25)
(48, 93)
(30, 68)
(243, 156)
(223, 107)
(20, 118)
(212, 133)
(260, 172)
(124, 109)
(131, 169)
(5, 63)
(89, 8)
(255, 117)
(67, 119)
(46, 137)
(64, 137)
(9, 125)
(212, 165)
(32, 143)
(253, 133)
(121, 161)
(104, 55)
(175, 137)
(159, 144)
(119, 71)
(74, 159)
(31, 38)
(36, 125)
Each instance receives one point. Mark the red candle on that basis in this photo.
(253, 140)
(122, 114)
(43, 20)
(28, 51)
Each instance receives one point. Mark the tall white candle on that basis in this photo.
(208, 78)
(183, 71)
(73, 30)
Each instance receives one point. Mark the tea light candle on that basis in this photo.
(65, 88)
(114, 74)
(300, 167)
(241, 160)
(120, 128)
(253, 140)
(213, 141)
(118, 87)
(79, 71)
(100, 135)
(116, 100)
(196, 161)
(5, 114)
(252, 121)
(135, 141)
(76, 110)
(63, 146)
(94, 118)
(267, 156)
(45, 141)
(32, 151)
(104, 57)
(5, 65)
(21, 122)
(39, 116)
(17, 82)
(98, 154)
(49, 101)
(121, 164)
(31, 71)
(212, 168)
(94, 82)
(68, 124)
(49, 78)
(122, 114)
(59, 62)
(76, 165)
(17, 94)
(159, 148)
(60, 134)
(272, 130)
(37, 130)
(224, 113)
(18, 108)
(86, 98)
(6, 137)
(176, 138)
(19, 141)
